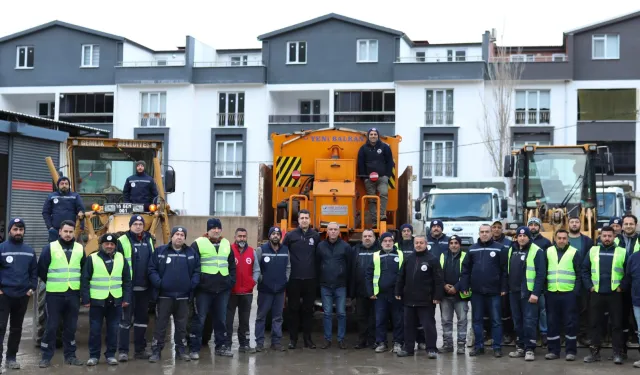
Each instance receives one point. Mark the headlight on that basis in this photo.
(110, 207)
(138, 208)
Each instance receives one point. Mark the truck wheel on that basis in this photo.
(39, 313)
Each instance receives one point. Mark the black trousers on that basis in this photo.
(136, 315)
(241, 302)
(424, 316)
(301, 295)
(12, 311)
(598, 305)
(366, 315)
(165, 309)
(583, 313)
(629, 327)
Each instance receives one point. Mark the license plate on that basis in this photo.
(123, 208)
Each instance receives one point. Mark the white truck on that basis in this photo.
(615, 199)
(463, 207)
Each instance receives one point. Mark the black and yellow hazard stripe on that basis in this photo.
(392, 179)
(285, 165)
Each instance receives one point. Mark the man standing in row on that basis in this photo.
(453, 299)
(438, 242)
(583, 244)
(365, 306)
(535, 224)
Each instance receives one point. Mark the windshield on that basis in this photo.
(102, 170)
(606, 205)
(469, 206)
(557, 177)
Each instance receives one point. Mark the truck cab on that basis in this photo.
(611, 203)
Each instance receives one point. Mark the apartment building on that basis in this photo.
(331, 71)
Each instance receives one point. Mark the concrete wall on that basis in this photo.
(197, 225)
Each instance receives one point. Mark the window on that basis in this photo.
(517, 145)
(296, 52)
(228, 203)
(437, 159)
(153, 109)
(439, 107)
(229, 159)
(46, 109)
(357, 106)
(458, 55)
(607, 105)
(522, 58)
(239, 60)
(605, 46)
(420, 56)
(558, 57)
(90, 55)
(624, 156)
(367, 50)
(310, 111)
(24, 57)
(533, 107)
(231, 109)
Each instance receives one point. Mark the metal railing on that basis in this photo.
(438, 169)
(147, 64)
(227, 213)
(529, 59)
(230, 119)
(437, 59)
(292, 119)
(231, 169)
(365, 117)
(439, 117)
(153, 119)
(215, 64)
(524, 117)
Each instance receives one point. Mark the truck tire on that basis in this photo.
(40, 316)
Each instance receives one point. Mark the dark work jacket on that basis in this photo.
(420, 280)
(363, 259)
(217, 283)
(274, 272)
(628, 245)
(377, 158)
(452, 270)
(45, 260)
(60, 207)
(174, 274)
(18, 268)
(140, 188)
(517, 271)
(406, 246)
(504, 240)
(334, 261)
(140, 257)
(302, 251)
(542, 242)
(482, 272)
(632, 278)
(87, 275)
(606, 260)
(437, 246)
(577, 266)
(389, 271)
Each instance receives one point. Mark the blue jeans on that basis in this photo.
(542, 310)
(339, 297)
(636, 313)
(525, 321)
(562, 314)
(388, 305)
(273, 302)
(216, 304)
(63, 306)
(480, 302)
(98, 314)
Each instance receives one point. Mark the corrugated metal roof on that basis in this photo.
(36, 120)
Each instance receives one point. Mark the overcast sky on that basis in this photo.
(163, 24)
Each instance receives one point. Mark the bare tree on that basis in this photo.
(503, 76)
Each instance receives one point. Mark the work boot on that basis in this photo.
(617, 359)
(142, 355)
(183, 357)
(112, 361)
(194, 356)
(326, 345)
(570, 357)
(293, 344)
(529, 356)
(518, 353)
(507, 339)
(259, 348)
(155, 357)
(342, 345)
(44, 363)
(224, 352)
(73, 361)
(381, 348)
(404, 353)
(397, 347)
(446, 349)
(551, 356)
(594, 356)
(584, 341)
(123, 357)
(308, 343)
(278, 347)
(92, 362)
(461, 348)
(12, 364)
(476, 351)
(432, 354)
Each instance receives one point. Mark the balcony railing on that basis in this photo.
(437, 170)
(439, 117)
(153, 119)
(365, 117)
(293, 119)
(146, 64)
(529, 58)
(230, 119)
(524, 117)
(227, 213)
(229, 169)
(438, 59)
(216, 64)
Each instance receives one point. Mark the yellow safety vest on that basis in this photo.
(462, 255)
(530, 270)
(617, 267)
(62, 274)
(212, 261)
(127, 249)
(561, 277)
(636, 247)
(102, 283)
(376, 268)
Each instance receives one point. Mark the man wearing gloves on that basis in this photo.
(271, 271)
(380, 282)
(454, 300)
(420, 286)
(365, 306)
(375, 156)
(61, 205)
(174, 272)
(137, 247)
(526, 269)
(18, 280)
(106, 289)
(212, 295)
(140, 188)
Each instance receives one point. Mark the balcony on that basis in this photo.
(228, 169)
(541, 67)
(230, 119)
(430, 170)
(299, 119)
(429, 68)
(153, 119)
(541, 117)
(438, 118)
(363, 121)
(229, 72)
(152, 72)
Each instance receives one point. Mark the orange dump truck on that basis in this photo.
(317, 170)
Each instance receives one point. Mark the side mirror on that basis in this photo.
(418, 216)
(170, 181)
(508, 166)
(610, 165)
(503, 214)
(504, 204)
(416, 205)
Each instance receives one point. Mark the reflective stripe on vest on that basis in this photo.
(376, 267)
(561, 277)
(636, 246)
(462, 255)
(530, 270)
(102, 283)
(126, 248)
(213, 261)
(617, 267)
(63, 274)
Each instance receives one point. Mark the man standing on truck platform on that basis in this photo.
(218, 276)
(140, 188)
(136, 246)
(302, 243)
(61, 205)
(376, 156)
(18, 280)
(543, 242)
(365, 307)
(583, 244)
(60, 267)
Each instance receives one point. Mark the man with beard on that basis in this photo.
(534, 225)
(438, 242)
(18, 280)
(507, 321)
(140, 188)
(376, 156)
(61, 205)
(629, 240)
(218, 276)
(365, 307)
(454, 300)
(583, 244)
